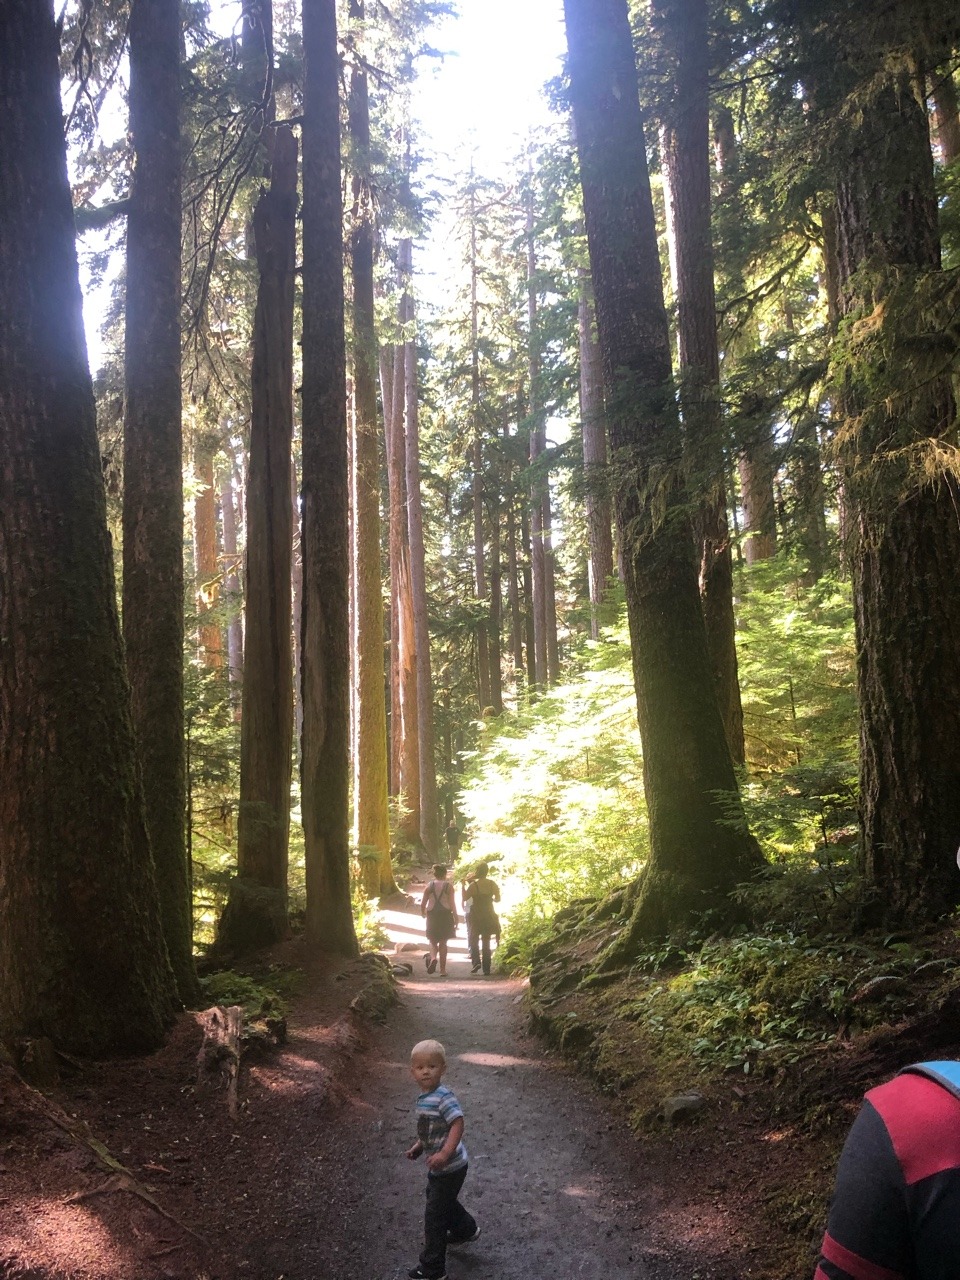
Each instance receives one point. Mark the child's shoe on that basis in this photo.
(418, 1273)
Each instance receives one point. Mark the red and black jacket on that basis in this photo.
(895, 1214)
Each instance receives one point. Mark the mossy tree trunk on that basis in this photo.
(700, 847)
(904, 531)
(82, 953)
(153, 462)
(324, 538)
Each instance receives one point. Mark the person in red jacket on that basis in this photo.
(895, 1214)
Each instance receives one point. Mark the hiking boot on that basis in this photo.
(431, 964)
(418, 1273)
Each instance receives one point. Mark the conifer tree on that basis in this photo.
(82, 953)
(900, 418)
(697, 854)
(370, 774)
(324, 539)
(256, 912)
(152, 453)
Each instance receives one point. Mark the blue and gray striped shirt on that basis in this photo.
(436, 1112)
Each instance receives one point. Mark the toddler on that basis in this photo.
(440, 1136)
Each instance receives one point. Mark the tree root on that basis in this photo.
(121, 1178)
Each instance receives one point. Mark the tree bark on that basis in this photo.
(389, 392)
(296, 578)
(205, 560)
(687, 164)
(479, 568)
(757, 470)
(699, 844)
(594, 435)
(496, 601)
(325, 634)
(539, 486)
(259, 918)
(153, 463)
(407, 733)
(513, 575)
(371, 789)
(529, 606)
(82, 952)
(426, 738)
(904, 529)
(231, 579)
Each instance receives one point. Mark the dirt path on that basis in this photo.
(557, 1186)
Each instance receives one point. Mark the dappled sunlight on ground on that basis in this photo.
(496, 1060)
(57, 1234)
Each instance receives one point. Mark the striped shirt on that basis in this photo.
(436, 1112)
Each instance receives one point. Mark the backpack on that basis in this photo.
(946, 1074)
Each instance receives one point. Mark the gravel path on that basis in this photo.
(554, 1181)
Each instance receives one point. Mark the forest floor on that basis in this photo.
(309, 1181)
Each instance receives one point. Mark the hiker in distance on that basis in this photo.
(440, 909)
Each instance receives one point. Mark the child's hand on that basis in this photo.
(414, 1152)
(436, 1161)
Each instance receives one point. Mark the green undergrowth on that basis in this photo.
(700, 1012)
(264, 993)
(553, 796)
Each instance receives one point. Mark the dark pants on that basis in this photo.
(473, 943)
(485, 950)
(444, 1214)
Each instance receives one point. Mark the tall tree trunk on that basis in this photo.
(811, 522)
(429, 810)
(757, 471)
(905, 532)
(539, 484)
(946, 114)
(297, 587)
(389, 393)
(370, 799)
(256, 912)
(153, 464)
(697, 854)
(479, 569)
(528, 600)
(205, 559)
(496, 603)
(687, 156)
(513, 577)
(407, 735)
(326, 663)
(550, 603)
(594, 433)
(82, 952)
(231, 578)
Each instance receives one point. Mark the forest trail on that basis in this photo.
(558, 1185)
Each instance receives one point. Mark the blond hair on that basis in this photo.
(428, 1049)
